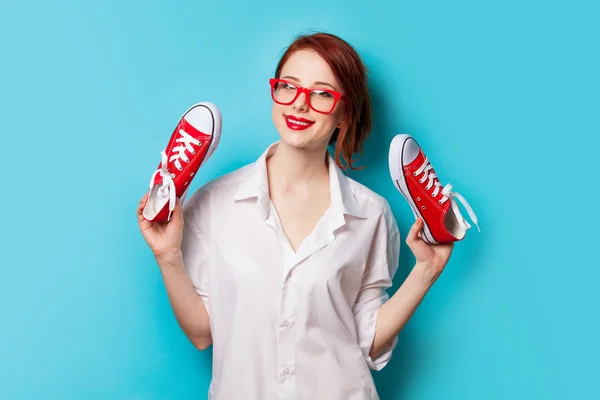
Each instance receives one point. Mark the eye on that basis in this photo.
(323, 94)
(288, 86)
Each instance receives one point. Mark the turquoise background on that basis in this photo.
(503, 96)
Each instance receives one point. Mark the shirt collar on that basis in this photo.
(256, 185)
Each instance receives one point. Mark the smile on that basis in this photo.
(297, 124)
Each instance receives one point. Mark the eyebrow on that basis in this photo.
(315, 83)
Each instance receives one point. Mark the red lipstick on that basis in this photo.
(297, 123)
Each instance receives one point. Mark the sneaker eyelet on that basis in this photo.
(418, 199)
(422, 207)
(173, 176)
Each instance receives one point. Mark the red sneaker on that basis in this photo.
(415, 178)
(193, 141)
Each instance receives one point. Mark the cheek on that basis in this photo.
(328, 122)
(276, 114)
(339, 113)
(278, 110)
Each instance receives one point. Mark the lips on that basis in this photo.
(297, 123)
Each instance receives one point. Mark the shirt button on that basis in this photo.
(286, 371)
(286, 323)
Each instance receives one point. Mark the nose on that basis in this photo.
(301, 103)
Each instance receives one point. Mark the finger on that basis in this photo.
(140, 209)
(177, 211)
(447, 249)
(415, 242)
(141, 204)
(140, 218)
(413, 234)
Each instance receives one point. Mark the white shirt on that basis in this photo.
(285, 324)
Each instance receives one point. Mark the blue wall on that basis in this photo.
(503, 96)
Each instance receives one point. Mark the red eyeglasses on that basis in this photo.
(321, 100)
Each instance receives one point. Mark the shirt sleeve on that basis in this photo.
(377, 278)
(194, 246)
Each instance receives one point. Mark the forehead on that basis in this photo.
(308, 66)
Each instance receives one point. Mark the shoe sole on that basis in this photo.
(397, 174)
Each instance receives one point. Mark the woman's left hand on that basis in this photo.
(431, 258)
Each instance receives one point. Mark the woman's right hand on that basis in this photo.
(164, 238)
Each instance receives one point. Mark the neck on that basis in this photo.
(292, 167)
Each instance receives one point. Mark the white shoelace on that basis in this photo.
(179, 155)
(447, 193)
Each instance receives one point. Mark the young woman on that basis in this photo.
(283, 265)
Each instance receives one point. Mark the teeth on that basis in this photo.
(297, 122)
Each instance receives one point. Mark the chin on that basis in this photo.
(302, 139)
(295, 139)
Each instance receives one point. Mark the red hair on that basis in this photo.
(351, 73)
